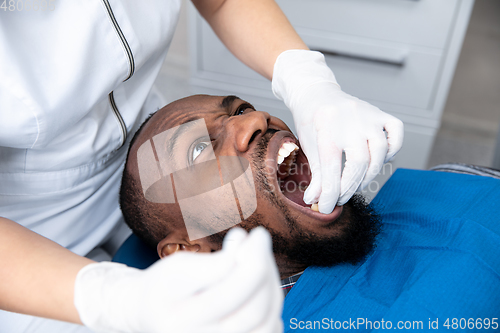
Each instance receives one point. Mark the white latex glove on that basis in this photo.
(233, 290)
(329, 121)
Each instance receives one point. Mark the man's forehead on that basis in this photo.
(185, 110)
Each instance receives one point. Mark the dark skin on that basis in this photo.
(235, 129)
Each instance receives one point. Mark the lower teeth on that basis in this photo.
(315, 207)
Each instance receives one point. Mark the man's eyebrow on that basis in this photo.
(183, 128)
(228, 101)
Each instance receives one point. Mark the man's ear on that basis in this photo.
(168, 246)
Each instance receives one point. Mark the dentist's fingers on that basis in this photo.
(266, 305)
(273, 322)
(233, 239)
(271, 295)
(377, 146)
(356, 165)
(268, 301)
(331, 167)
(213, 267)
(253, 258)
(395, 135)
(313, 191)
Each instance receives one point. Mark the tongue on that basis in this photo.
(299, 174)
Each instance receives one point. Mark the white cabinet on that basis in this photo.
(399, 55)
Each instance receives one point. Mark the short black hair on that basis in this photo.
(139, 217)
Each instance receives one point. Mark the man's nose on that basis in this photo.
(247, 127)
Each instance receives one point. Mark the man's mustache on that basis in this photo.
(263, 143)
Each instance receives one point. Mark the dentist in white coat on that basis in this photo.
(76, 81)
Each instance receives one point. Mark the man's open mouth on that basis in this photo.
(290, 173)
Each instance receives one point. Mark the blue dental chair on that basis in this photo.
(136, 253)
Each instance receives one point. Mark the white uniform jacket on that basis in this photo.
(75, 83)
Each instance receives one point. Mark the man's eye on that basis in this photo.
(198, 148)
(242, 108)
(239, 111)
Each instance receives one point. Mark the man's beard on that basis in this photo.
(352, 244)
(358, 225)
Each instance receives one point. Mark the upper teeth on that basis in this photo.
(285, 150)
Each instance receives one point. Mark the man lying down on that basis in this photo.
(204, 164)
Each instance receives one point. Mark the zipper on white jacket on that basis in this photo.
(128, 51)
(119, 118)
(131, 62)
